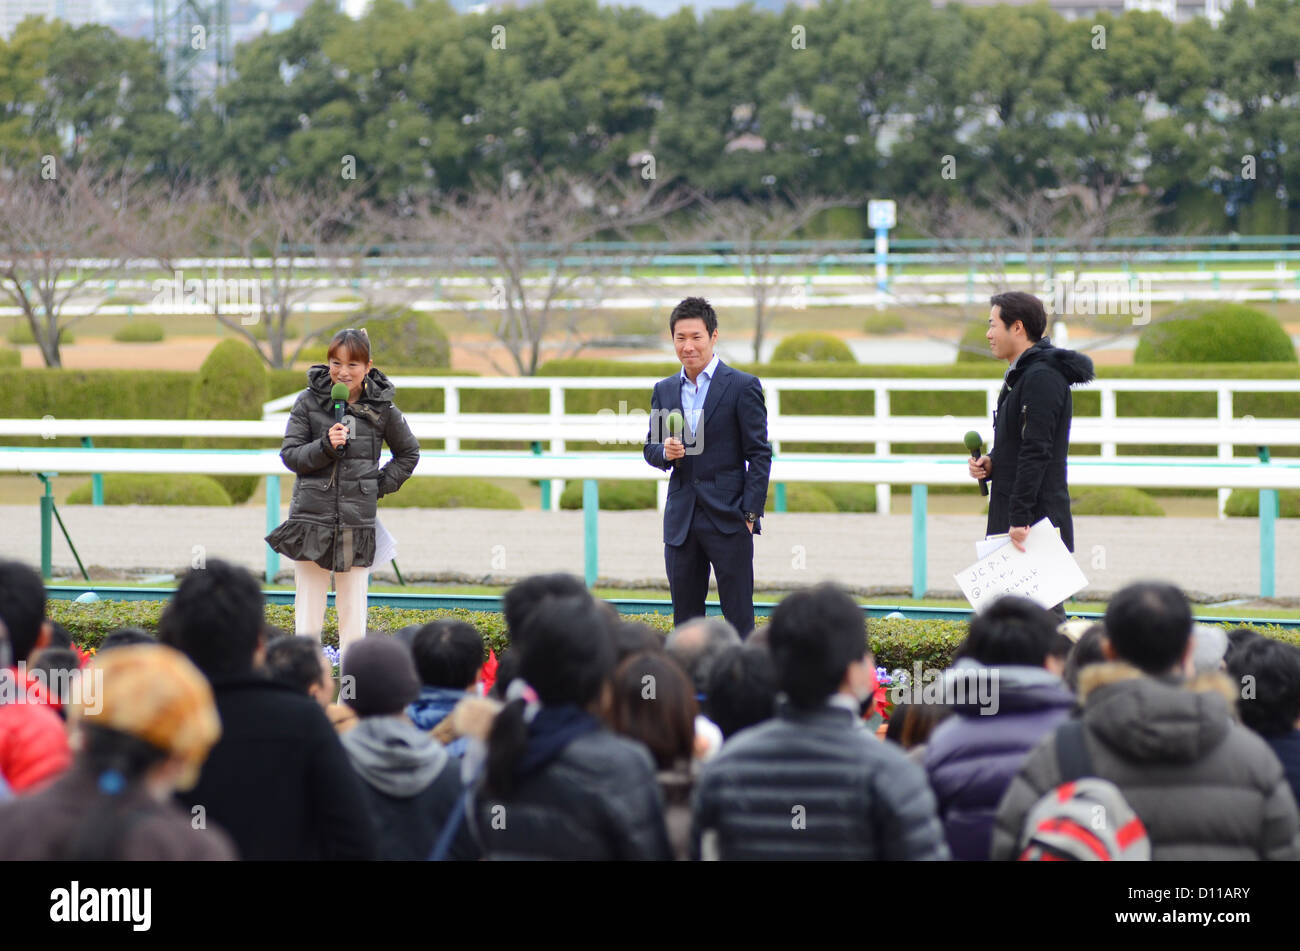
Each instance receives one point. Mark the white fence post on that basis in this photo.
(557, 445)
(1225, 448)
(451, 408)
(1107, 417)
(883, 506)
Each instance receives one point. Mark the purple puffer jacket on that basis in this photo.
(972, 757)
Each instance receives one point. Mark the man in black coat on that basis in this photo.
(720, 467)
(277, 780)
(1031, 427)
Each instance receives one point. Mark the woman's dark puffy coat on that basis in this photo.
(332, 516)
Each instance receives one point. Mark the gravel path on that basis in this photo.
(1207, 557)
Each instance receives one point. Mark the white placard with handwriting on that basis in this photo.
(1044, 572)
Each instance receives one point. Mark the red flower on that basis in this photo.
(487, 674)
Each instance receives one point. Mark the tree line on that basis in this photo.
(861, 97)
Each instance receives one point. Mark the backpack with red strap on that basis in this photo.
(1085, 818)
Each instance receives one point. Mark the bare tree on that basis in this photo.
(289, 241)
(531, 229)
(749, 233)
(62, 231)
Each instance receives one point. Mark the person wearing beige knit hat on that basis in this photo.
(141, 728)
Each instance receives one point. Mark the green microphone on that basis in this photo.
(339, 394)
(976, 447)
(675, 423)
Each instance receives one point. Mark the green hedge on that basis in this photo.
(121, 488)
(813, 347)
(615, 495)
(431, 492)
(231, 384)
(401, 337)
(22, 333)
(10, 358)
(896, 643)
(1223, 333)
(975, 345)
(140, 331)
(1114, 500)
(1244, 503)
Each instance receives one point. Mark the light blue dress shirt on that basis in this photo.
(694, 394)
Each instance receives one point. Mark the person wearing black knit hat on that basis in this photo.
(412, 784)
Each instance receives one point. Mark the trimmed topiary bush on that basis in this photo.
(1114, 500)
(231, 384)
(121, 488)
(813, 348)
(884, 322)
(1244, 503)
(616, 495)
(400, 337)
(1215, 333)
(10, 358)
(140, 331)
(850, 496)
(22, 333)
(974, 344)
(801, 497)
(427, 492)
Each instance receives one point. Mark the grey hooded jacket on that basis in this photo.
(412, 786)
(1205, 787)
(332, 515)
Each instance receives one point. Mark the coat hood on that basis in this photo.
(393, 755)
(377, 386)
(1074, 366)
(1156, 719)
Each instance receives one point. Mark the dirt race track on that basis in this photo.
(1209, 558)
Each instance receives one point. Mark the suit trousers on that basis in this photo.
(312, 584)
(732, 559)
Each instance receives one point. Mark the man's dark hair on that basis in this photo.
(22, 607)
(1148, 625)
(635, 637)
(59, 636)
(521, 598)
(694, 308)
(448, 654)
(1084, 654)
(695, 652)
(1238, 637)
(1275, 667)
(126, 637)
(295, 661)
(742, 689)
(1026, 308)
(815, 634)
(215, 618)
(1012, 631)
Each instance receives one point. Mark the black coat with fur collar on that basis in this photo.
(1031, 436)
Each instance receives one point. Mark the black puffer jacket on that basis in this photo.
(1031, 436)
(332, 516)
(812, 785)
(596, 801)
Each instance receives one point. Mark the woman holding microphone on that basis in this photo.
(332, 443)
